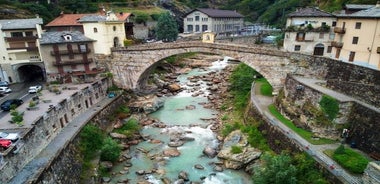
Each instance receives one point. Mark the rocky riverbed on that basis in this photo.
(212, 85)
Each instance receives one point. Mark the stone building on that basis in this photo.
(19, 55)
(218, 21)
(308, 30)
(357, 37)
(68, 56)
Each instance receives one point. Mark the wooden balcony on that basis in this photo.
(73, 62)
(337, 44)
(29, 49)
(66, 52)
(339, 30)
(17, 39)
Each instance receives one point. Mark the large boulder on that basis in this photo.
(174, 87)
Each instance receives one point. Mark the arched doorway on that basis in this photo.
(116, 42)
(319, 49)
(30, 73)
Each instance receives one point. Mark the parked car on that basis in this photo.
(34, 89)
(4, 84)
(5, 143)
(10, 136)
(4, 89)
(6, 106)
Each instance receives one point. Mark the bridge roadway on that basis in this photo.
(316, 151)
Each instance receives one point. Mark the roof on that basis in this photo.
(102, 18)
(218, 13)
(123, 16)
(310, 12)
(58, 37)
(358, 6)
(67, 20)
(9, 24)
(373, 12)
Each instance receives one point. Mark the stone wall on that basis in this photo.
(47, 126)
(372, 173)
(67, 166)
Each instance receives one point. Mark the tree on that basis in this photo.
(275, 170)
(167, 28)
(110, 150)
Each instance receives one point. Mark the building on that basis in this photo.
(218, 21)
(68, 56)
(108, 31)
(357, 37)
(66, 22)
(19, 56)
(309, 30)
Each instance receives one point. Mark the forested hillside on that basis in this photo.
(272, 12)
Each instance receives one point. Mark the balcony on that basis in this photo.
(17, 39)
(73, 62)
(339, 30)
(337, 44)
(298, 39)
(28, 49)
(66, 52)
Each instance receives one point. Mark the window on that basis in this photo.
(300, 36)
(196, 28)
(82, 48)
(352, 56)
(333, 24)
(95, 30)
(189, 19)
(297, 47)
(196, 18)
(321, 35)
(190, 28)
(16, 34)
(358, 25)
(29, 33)
(204, 19)
(323, 24)
(204, 28)
(114, 28)
(355, 40)
(67, 37)
(329, 49)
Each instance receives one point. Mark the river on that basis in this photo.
(147, 162)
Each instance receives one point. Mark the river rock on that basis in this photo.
(179, 181)
(140, 172)
(166, 180)
(174, 87)
(198, 166)
(106, 179)
(190, 107)
(183, 175)
(218, 168)
(176, 143)
(106, 164)
(117, 135)
(209, 151)
(171, 152)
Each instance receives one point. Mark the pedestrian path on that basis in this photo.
(35, 167)
(316, 151)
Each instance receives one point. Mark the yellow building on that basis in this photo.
(357, 37)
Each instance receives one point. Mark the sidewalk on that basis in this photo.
(316, 151)
(35, 167)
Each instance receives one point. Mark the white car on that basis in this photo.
(10, 136)
(34, 89)
(5, 90)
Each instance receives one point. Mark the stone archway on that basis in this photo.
(30, 73)
(116, 42)
(319, 49)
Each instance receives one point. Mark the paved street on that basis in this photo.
(316, 151)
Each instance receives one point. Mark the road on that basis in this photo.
(316, 151)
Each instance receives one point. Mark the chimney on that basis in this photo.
(378, 4)
(61, 14)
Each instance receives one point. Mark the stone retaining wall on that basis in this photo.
(47, 126)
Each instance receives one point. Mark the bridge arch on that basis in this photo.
(131, 65)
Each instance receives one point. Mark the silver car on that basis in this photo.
(10, 136)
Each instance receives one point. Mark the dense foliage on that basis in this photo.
(110, 150)
(166, 28)
(330, 106)
(91, 140)
(129, 128)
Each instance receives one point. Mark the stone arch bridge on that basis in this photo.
(131, 66)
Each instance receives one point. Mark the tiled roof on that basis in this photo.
(358, 6)
(123, 16)
(215, 13)
(58, 37)
(92, 18)
(8, 24)
(67, 20)
(373, 12)
(309, 12)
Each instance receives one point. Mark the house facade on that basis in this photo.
(219, 21)
(19, 55)
(310, 31)
(357, 37)
(68, 56)
(107, 30)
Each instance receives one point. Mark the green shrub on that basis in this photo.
(110, 150)
(225, 117)
(91, 140)
(228, 128)
(128, 42)
(350, 160)
(265, 89)
(330, 106)
(141, 18)
(236, 149)
(129, 128)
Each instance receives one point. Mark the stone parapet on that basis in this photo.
(372, 173)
